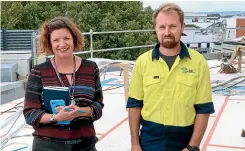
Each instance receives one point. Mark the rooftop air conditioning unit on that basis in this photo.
(9, 72)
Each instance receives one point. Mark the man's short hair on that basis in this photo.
(168, 7)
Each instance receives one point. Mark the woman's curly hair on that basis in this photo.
(44, 44)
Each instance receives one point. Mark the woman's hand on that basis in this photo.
(74, 111)
(80, 111)
(60, 108)
(63, 114)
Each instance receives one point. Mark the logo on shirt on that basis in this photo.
(186, 70)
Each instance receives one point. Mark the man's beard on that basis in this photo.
(171, 43)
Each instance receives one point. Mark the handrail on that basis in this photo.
(91, 33)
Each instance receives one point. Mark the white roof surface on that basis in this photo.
(223, 132)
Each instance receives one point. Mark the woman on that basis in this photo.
(60, 37)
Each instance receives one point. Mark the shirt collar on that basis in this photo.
(183, 52)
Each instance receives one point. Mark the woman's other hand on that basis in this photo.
(80, 111)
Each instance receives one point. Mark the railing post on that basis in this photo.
(223, 36)
(34, 50)
(224, 23)
(125, 67)
(91, 43)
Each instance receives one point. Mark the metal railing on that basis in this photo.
(91, 33)
(26, 39)
(22, 39)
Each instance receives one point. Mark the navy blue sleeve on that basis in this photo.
(133, 103)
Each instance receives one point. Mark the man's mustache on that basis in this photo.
(168, 37)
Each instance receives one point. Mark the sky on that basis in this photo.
(202, 6)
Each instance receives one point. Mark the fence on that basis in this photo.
(19, 40)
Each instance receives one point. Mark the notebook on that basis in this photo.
(55, 93)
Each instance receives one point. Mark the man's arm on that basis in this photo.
(134, 115)
(203, 105)
(135, 104)
(200, 125)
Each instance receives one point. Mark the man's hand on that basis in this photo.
(136, 148)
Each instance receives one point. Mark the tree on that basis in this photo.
(96, 15)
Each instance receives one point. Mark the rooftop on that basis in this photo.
(223, 132)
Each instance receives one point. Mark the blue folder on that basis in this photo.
(55, 93)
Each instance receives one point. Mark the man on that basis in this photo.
(170, 90)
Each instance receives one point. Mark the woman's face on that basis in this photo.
(62, 42)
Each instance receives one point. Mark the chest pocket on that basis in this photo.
(151, 85)
(151, 80)
(186, 88)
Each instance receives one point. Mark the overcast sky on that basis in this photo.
(202, 6)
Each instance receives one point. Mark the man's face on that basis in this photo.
(168, 29)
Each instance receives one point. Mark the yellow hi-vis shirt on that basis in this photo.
(172, 97)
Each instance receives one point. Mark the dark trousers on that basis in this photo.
(50, 145)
